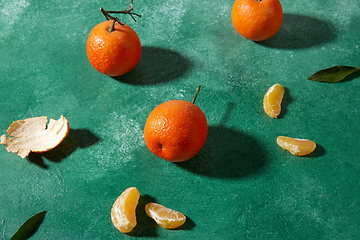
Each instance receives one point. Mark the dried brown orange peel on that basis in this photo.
(33, 135)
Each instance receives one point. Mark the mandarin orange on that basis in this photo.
(272, 100)
(257, 20)
(113, 53)
(176, 130)
(123, 211)
(298, 147)
(165, 217)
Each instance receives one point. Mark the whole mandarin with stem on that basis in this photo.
(113, 48)
(257, 20)
(176, 130)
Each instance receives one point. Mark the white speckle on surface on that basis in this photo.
(10, 12)
(175, 11)
(123, 136)
(341, 8)
(180, 94)
(224, 10)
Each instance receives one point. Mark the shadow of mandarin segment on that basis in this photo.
(318, 152)
(227, 153)
(157, 65)
(300, 31)
(77, 138)
(146, 226)
(287, 99)
(188, 224)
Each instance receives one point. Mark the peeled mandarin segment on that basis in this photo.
(299, 147)
(165, 217)
(123, 211)
(272, 100)
(32, 135)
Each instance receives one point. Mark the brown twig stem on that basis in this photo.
(196, 94)
(115, 19)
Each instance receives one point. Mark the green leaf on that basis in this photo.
(29, 227)
(333, 74)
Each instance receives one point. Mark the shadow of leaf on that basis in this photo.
(77, 138)
(226, 154)
(300, 31)
(351, 77)
(157, 65)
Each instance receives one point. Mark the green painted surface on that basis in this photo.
(241, 185)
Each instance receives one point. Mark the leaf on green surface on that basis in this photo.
(29, 227)
(333, 74)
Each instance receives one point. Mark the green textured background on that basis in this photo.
(241, 185)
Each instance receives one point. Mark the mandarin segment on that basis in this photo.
(298, 147)
(165, 217)
(272, 100)
(123, 211)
